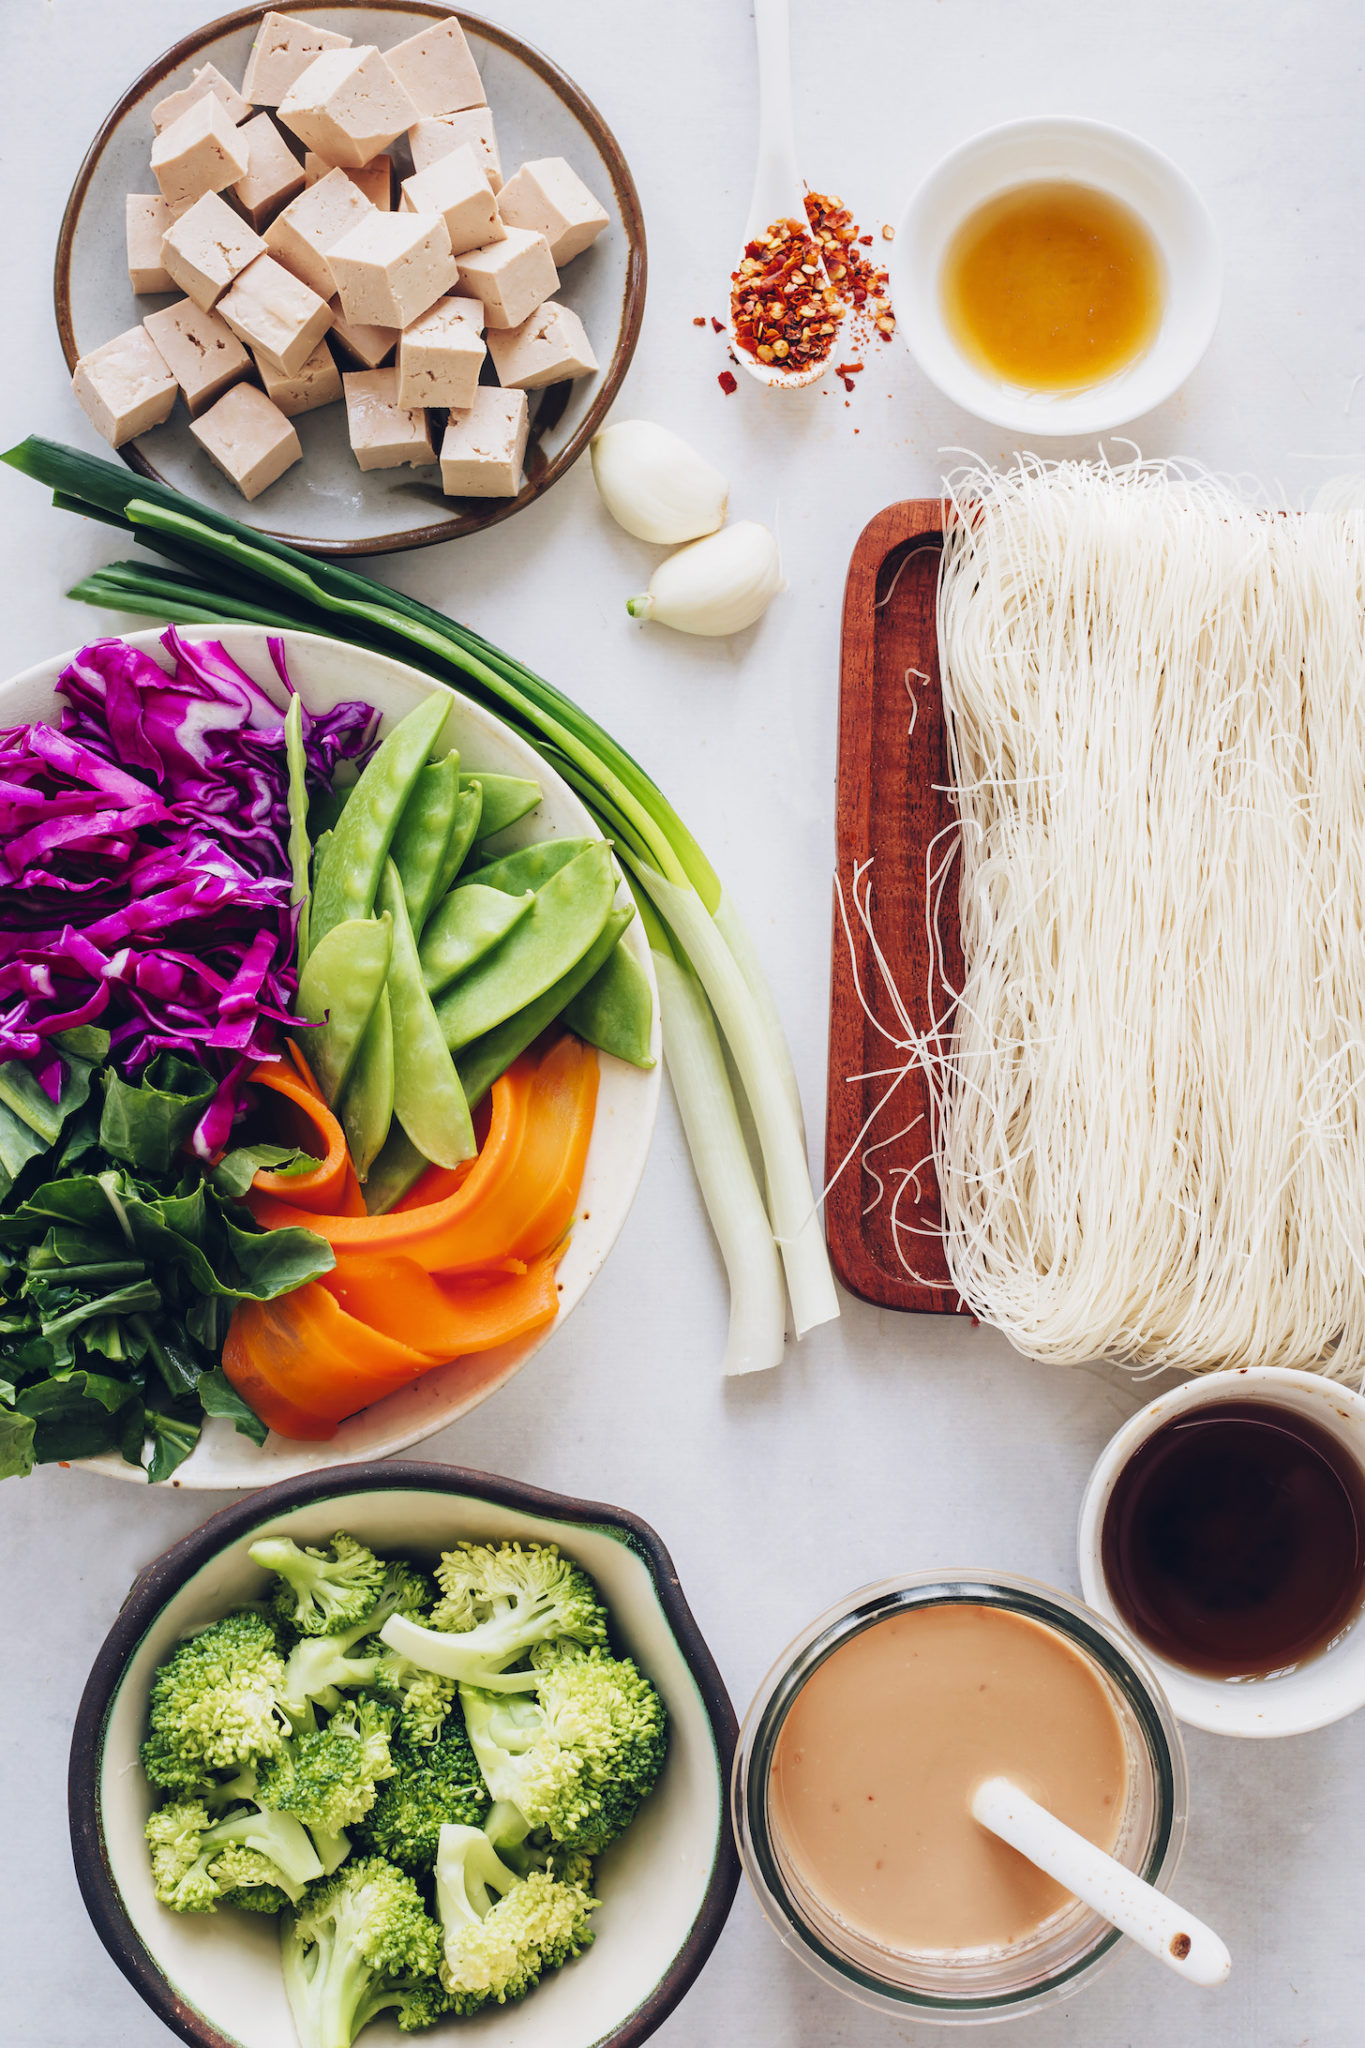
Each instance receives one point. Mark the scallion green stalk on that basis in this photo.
(708, 969)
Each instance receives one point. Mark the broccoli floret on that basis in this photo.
(216, 1703)
(199, 1863)
(501, 1932)
(432, 1785)
(321, 1668)
(359, 1943)
(329, 1776)
(501, 1602)
(320, 1590)
(577, 1760)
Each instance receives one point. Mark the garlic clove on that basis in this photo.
(654, 485)
(717, 585)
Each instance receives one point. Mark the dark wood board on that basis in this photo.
(892, 803)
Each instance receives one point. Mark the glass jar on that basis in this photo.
(962, 1986)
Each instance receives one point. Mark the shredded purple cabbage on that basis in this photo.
(144, 865)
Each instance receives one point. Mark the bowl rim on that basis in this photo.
(159, 1581)
(623, 186)
(1020, 411)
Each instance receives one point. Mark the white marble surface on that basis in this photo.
(884, 1442)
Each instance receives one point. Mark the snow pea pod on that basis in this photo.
(530, 867)
(481, 1062)
(466, 926)
(364, 832)
(464, 828)
(428, 1100)
(505, 799)
(562, 922)
(367, 1102)
(399, 1166)
(615, 1010)
(419, 844)
(340, 986)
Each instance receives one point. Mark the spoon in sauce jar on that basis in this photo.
(781, 300)
(1148, 1917)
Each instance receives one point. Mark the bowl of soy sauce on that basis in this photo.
(1223, 1530)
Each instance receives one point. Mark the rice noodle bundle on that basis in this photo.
(1148, 1128)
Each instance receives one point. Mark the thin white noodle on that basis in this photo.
(1148, 1105)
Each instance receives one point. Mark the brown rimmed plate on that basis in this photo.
(666, 1886)
(326, 504)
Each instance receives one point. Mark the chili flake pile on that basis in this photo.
(782, 309)
(786, 312)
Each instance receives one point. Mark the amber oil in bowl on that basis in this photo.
(1053, 285)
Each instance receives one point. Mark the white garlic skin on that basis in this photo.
(717, 585)
(654, 485)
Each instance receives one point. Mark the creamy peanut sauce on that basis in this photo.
(880, 1753)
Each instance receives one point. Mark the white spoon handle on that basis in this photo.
(778, 192)
(1146, 1915)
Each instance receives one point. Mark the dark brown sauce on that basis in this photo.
(1234, 1539)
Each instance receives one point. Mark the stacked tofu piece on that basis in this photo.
(388, 268)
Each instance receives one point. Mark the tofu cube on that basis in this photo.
(249, 438)
(268, 308)
(199, 152)
(429, 141)
(284, 47)
(511, 277)
(391, 267)
(273, 173)
(147, 217)
(314, 223)
(552, 199)
(208, 78)
(124, 387)
(440, 357)
(546, 349)
(456, 187)
(347, 106)
(317, 383)
(207, 247)
(481, 454)
(374, 179)
(201, 352)
(367, 345)
(384, 434)
(436, 70)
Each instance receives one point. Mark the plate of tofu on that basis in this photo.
(366, 276)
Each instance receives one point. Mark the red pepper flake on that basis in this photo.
(866, 241)
(728, 383)
(719, 325)
(699, 320)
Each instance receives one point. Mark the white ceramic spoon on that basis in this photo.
(779, 189)
(1135, 1907)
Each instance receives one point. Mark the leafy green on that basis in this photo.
(121, 1260)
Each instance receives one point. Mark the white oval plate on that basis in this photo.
(326, 672)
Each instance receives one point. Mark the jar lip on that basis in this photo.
(868, 1605)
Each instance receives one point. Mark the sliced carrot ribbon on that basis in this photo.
(331, 1186)
(467, 1269)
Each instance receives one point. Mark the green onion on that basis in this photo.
(708, 968)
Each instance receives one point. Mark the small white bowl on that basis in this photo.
(1082, 152)
(1322, 1689)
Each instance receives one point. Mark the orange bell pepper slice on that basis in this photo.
(321, 1362)
(331, 1186)
(443, 1317)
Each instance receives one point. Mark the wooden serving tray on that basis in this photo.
(892, 803)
